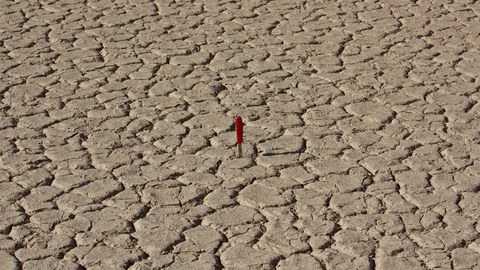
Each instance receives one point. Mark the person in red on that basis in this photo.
(239, 131)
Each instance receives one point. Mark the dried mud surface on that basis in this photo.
(361, 146)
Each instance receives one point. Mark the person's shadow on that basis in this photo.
(282, 153)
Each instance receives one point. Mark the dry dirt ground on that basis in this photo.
(117, 141)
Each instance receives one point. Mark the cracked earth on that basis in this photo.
(361, 146)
